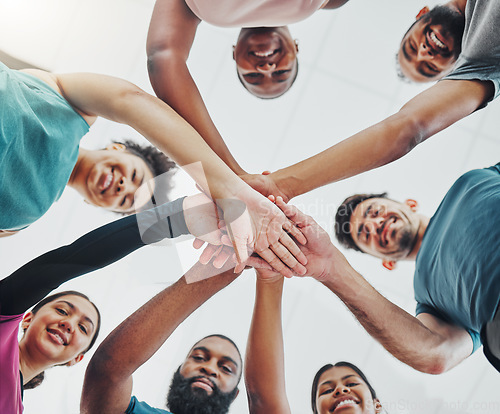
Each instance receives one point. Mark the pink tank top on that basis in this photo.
(253, 13)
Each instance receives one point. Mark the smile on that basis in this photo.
(265, 54)
(57, 337)
(108, 180)
(343, 403)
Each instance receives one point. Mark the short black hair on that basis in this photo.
(158, 163)
(326, 367)
(277, 96)
(343, 218)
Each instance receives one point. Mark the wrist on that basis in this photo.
(288, 184)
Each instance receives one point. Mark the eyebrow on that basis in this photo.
(330, 381)
(207, 351)
(73, 307)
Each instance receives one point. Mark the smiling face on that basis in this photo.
(61, 331)
(266, 60)
(384, 228)
(430, 48)
(342, 390)
(110, 178)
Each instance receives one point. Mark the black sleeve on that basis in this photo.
(97, 249)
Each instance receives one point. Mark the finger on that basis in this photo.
(288, 259)
(208, 253)
(239, 245)
(275, 262)
(292, 247)
(258, 263)
(271, 198)
(221, 257)
(225, 240)
(295, 232)
(198, 243)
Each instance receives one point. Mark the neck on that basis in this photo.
(422, 227)
(74, 180)
(28, 365)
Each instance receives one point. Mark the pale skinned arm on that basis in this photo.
(260, 228)
(431, 111)
(170, 38)
(425, 342)
(108, 380)
(264, 361)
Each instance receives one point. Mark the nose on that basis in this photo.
(209, 369)
(266, 67)
(424, 52)
(341, 389)
(374, 223)
(67, 325)
(123, 186)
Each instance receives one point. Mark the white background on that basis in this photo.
(346, 82)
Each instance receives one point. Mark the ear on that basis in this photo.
(425, 10)
(116, 147)
(296, 41)
(267, 172)
(27, 318)
(389, 264)
(378, 405)
(412, 204)
(75, 360)
(234, 49)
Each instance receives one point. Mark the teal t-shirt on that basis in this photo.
(140, 407)
(39, 138)
(457, 270)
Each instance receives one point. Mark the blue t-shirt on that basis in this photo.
(457, 271)
(39, 137)
(140, 407)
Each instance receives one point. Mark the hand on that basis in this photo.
(202, 220)
(256, 222)
(264, 183)
(321, 254)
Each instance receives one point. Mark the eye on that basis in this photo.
(134, 174)
(326, 391)
(123, 201)
(61, 311)
(83, 329)
(281, 72)
(412, 47)
(352, 384)
(197, 358)
(227, 369)
(252, 75)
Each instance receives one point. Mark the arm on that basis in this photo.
(261, 225)
(265, 365)
(170, 38)
(97, 249)
(428, 113)
(426, 343)
(108, 380)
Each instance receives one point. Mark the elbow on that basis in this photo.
(160, 57)
(101, 369)
(435, 365)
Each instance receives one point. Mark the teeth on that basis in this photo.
(109, 178)
(438, 43)
(345, 402)
(264, 54)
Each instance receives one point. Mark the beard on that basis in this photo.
(183, 399)
(406, 241)
(452, 22)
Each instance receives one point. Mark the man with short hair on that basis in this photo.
(458, 44)
(205, 383)
(457, 270)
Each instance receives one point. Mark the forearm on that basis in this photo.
(94, 250)
(126, 349)
(403, 335)
(181, 93)
(265, 352)
(366, 150)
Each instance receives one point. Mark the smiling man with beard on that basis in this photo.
(457, 276)
(207, 380)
